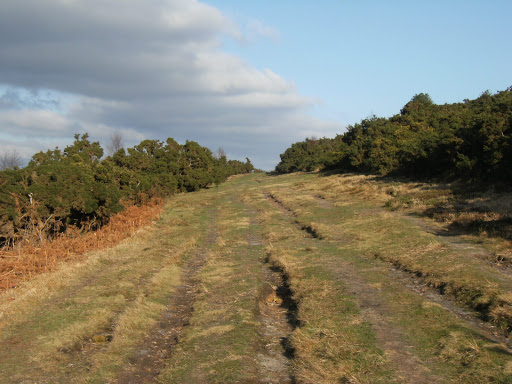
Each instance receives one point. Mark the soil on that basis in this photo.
(323, 202)
(154, 352)
(274, 358)
(409, 367)
(275, 327)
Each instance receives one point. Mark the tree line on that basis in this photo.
(471, 140)
(78, 187)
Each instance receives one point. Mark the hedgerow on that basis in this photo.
(77, 188)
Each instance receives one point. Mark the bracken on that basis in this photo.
(26, 259)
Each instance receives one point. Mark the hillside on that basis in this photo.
(300, 278)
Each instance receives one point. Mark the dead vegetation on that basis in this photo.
(31, 257)
(152, 354)
(454, 266)
(482, 212)
(273, 302)
(84, 321)
(480, 215)
(355, 221)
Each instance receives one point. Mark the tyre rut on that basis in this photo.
(153, 353)
(277, 316)
(407, 365)
(416, 284)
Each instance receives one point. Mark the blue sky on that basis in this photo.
(370, 57)
(251, 77)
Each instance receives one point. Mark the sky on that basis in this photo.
(251, 77)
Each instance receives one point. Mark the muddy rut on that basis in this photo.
(417, 285)
(406, 364)
(277, 316)
(157, 347)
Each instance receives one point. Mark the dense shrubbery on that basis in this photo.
(75, 187)
(309, 155)
(470, 140)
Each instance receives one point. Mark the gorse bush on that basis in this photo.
(470, 140)
(309, 155)
(74, 187)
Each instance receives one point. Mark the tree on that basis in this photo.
(422, 98)
(219, 153)
(248, 166)
(74, 187)
(10, 159)
(82, 150)
(418, 107)
(116, 143)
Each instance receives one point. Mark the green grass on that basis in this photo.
(357, 321)
(390, 237)
(221, 341)
(120, 292)
(361, 230)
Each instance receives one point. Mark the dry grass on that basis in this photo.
(123, 291)
(221, 343)
(73, 337)
(362, 186)
(459, 269)
(334, 342)
(457, 347)
(26, 260)
(15, 304)
(354, 217)
(92, 314)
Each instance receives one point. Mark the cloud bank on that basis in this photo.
(149, 69)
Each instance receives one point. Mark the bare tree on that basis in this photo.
(116, 143)
(10, 159)
(219, 153)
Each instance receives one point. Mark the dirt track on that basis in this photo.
(253, 282)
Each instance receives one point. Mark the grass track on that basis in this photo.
(355, 321)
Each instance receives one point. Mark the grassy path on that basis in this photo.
(264, 279)
(367, 241)
(152, 354)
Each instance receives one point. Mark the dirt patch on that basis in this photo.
(396, 348)
(275, 306)
(274, 359)
(307, 229)
(154, 352)
(323, 202)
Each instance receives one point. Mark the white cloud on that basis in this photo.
(149, 69)
(39, 123)
(104, 132)
(266, 100)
